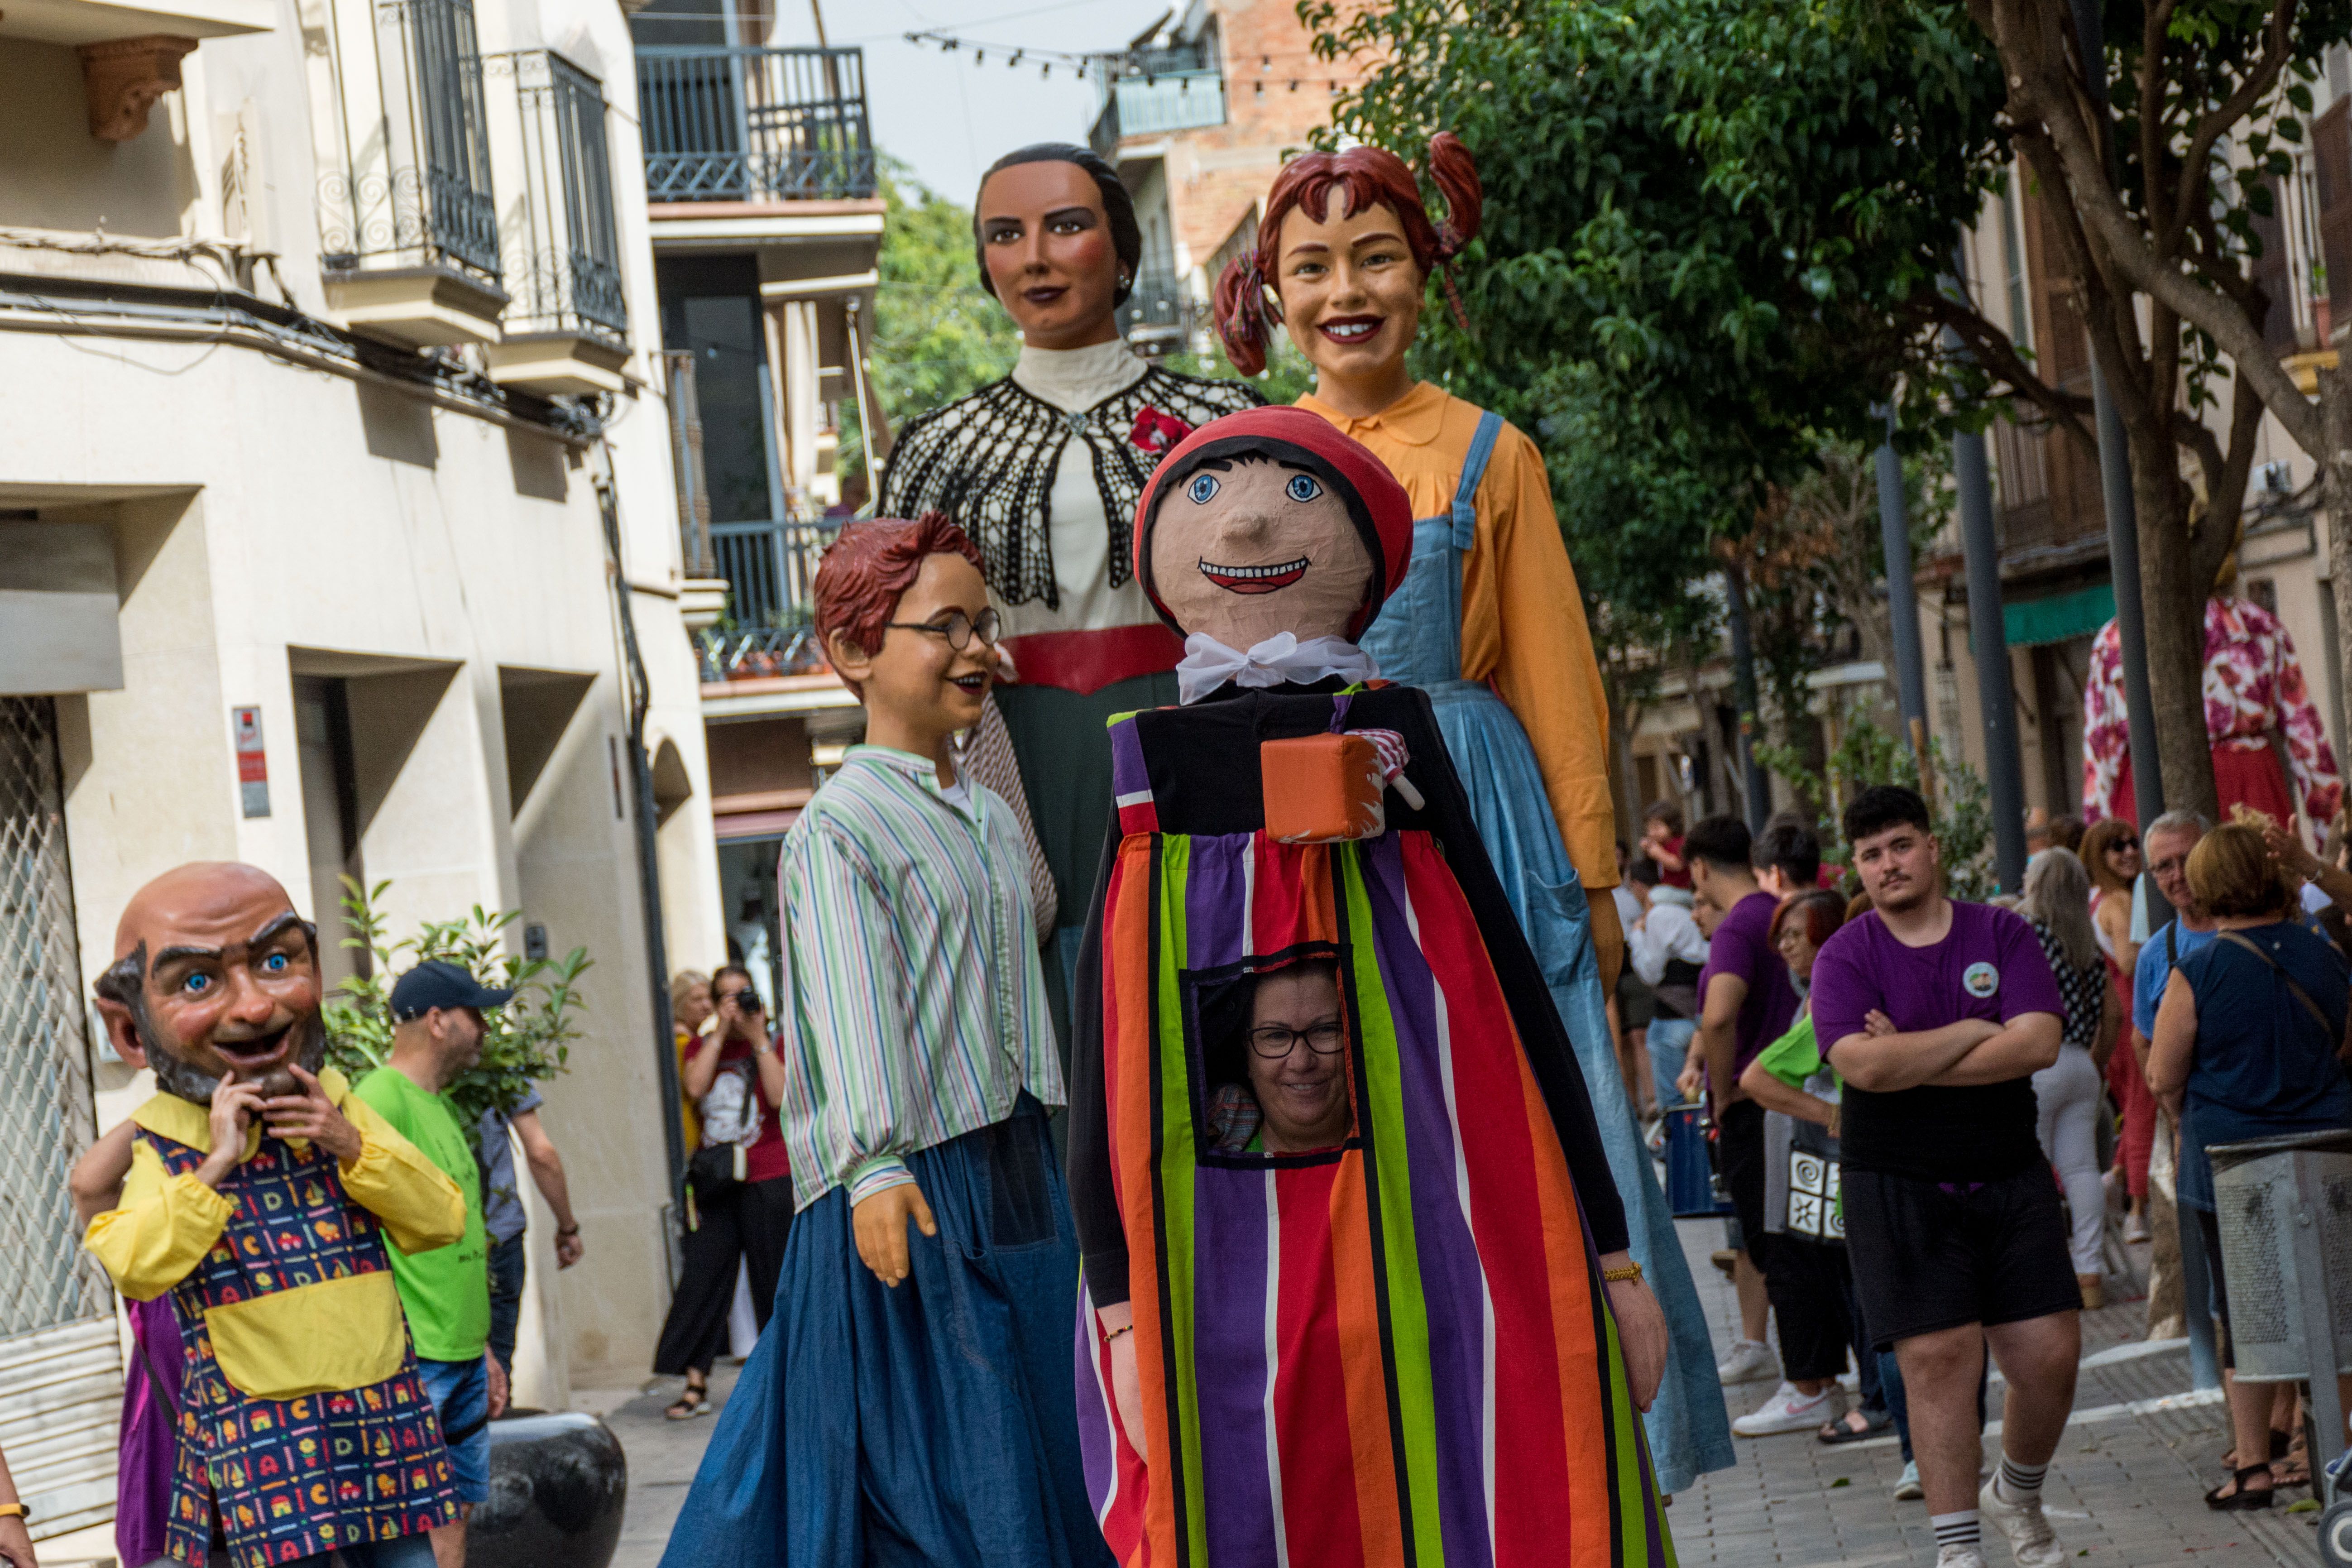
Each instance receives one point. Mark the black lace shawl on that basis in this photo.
(987, 461)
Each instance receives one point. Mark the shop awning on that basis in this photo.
(2028, 623)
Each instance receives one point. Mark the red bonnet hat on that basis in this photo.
(1375, 500)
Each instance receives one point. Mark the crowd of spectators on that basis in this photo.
(1935, 1122)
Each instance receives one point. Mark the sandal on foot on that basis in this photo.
(694, 1402)
(1855, 1426)
(2234, 1496)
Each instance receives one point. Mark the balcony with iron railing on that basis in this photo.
(408, 225)
(1158, 317)
(767, 629)
(567, 328)
(754, 125)
(1165, 90)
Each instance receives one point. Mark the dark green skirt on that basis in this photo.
(1064, 749)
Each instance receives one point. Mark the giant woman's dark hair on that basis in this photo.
(1119, 209)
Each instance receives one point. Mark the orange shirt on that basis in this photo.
(1522, 617)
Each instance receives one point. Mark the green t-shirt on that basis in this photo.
(1794, 1056)
(447, 1291)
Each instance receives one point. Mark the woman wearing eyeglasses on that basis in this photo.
(1295, 1100)
(2111, 854)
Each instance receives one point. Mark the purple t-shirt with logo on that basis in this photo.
(1989, 966)
(1742, 946)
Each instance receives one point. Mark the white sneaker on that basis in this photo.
(1751, 1360)
(1959, 1557)
(1789, 1411)
(1909, 1489)
(2032, 1543)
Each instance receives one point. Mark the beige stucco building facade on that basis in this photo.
(339, 534)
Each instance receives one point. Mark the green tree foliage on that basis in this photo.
(527, 1041)
(1868, 753)
(1734, 212)
(937, 335)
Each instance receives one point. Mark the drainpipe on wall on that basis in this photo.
(641, 783)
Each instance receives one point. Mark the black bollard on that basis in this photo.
(558, 1484)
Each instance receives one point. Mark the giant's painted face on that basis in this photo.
(215, 977)
(1250, 547)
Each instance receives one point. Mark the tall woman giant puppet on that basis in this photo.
(1042, 470)
(1489, 623)
(1354, 1253)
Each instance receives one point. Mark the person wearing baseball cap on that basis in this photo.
(437, 1029)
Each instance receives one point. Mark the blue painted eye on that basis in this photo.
(1301, 488)
(275, 964)
(1202, 486)
(196, 985)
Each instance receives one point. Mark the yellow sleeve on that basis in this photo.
(1523, 628)
(421, 1208)
(161, 1230)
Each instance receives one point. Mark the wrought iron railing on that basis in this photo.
(414, 186)
(751, 124)
(1153, 104)
(770, 568)
(737, 653)
(562, 248)
(1157, 315)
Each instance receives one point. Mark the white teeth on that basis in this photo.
(1353, 330)
(1213, 570)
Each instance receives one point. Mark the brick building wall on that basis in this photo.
(1276, 94)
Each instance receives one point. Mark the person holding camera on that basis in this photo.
(738, 1184)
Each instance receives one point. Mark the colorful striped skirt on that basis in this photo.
(1395, 1351)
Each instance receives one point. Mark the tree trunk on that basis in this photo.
(2173, 604)
(2335, 479)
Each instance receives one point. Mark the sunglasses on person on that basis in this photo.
(957, 627)
(2117, 845)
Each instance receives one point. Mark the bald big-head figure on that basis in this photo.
(215, 976)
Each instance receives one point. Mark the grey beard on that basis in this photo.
(176, 1076)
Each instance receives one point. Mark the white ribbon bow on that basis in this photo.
(1279, 659)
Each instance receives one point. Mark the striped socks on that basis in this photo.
(2019, 1483)
(1960, 1529)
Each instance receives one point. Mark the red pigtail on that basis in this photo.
(1455, 174)
(1241, 313)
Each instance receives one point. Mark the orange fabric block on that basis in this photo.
(1320, 789)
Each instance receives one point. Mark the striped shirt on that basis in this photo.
(917, 1008)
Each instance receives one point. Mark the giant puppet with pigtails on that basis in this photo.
(1488, 621)
(1357, 1285)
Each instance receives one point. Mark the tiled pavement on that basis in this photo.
(2125, 1492)
(2126, 1489)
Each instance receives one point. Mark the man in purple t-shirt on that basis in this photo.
(1746, 1002)
(1938, 1013)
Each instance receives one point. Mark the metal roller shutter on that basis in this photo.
(61, 1359)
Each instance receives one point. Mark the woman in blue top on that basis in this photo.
(2249, 1043)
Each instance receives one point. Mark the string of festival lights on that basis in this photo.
(1125, 62)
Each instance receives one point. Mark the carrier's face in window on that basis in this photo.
(1298, 1058)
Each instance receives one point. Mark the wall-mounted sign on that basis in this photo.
(252, 761)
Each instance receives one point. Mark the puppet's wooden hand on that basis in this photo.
(1607, 937)
(880, 1224)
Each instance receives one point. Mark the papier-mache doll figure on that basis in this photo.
(911, 1399)
(1489, 622)
(1357, 1285)
(261, 1196)
(1042, 470)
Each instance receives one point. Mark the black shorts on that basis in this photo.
(1930, 1255)
(1739, 1155)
